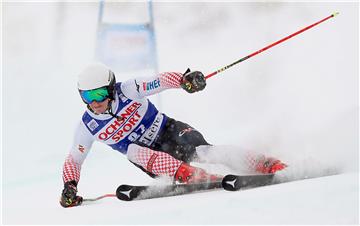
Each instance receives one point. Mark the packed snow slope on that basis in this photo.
(326, 200)
(297, 101)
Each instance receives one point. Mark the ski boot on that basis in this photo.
(189, 175)
(269, 165)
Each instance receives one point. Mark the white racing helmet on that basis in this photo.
(95, 76)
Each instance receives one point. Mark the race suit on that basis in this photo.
(151, 140)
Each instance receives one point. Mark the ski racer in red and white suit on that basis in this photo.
(131, 124)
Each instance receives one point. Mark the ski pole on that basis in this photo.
(269, 46)
(100, 197)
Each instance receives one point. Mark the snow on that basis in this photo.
(297, 101)
(310, 201)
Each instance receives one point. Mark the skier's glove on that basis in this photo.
(193, 81)
(269, 165)
(69, 197)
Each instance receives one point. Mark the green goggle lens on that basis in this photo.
(98, 95)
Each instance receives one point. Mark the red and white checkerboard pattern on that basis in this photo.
(71, 170)
(252, 160)
(170, 79)
(155, 162)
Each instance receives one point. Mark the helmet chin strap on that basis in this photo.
(108, 110)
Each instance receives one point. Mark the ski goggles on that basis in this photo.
(98, 95)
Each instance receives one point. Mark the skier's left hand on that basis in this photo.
(193, 81)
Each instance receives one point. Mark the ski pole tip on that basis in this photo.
(335, 14)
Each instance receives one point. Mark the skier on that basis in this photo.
(120, 115)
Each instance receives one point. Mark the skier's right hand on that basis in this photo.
(68, 195)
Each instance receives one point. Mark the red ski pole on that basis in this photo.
(100, 197)
(269, 46)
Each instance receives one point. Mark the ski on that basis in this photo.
(232, 182)
(130, 192)
(229, 182)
